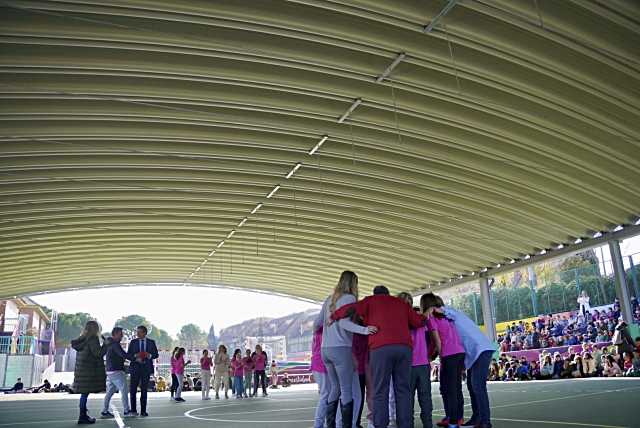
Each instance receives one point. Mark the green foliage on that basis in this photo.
(192, 337)
(130, 322)
(69, 327)
(559, 294)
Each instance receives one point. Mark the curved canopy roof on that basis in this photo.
(137, 135)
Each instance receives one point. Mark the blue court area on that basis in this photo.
(598, 403)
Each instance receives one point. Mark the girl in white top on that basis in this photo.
(583, 302)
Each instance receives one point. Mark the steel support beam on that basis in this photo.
(523, 261)
(487, 311)
(622, 291)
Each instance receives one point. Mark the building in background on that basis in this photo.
(296, 329)
(26, 337)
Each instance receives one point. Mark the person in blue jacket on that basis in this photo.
(478, 353)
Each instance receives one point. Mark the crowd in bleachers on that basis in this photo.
(598, 344)
(581, 361)
(548, 331)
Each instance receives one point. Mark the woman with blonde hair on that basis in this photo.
(89, 374)
(337, 342)
(221, 371)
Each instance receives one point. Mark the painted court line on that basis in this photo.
(557, 423)
(256, 411)
(117, 418)
(546, 400)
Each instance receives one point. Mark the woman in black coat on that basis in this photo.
(89, 373)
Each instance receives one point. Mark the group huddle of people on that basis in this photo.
(238, 373)
(380, 348)
(584, 326)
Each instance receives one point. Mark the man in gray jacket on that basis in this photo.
(116, 374)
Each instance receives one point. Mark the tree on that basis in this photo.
(212, 340)
(192, 337)
(131, 322)
(69, 327)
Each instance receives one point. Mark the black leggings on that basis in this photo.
(259, 378)
(451, 368)
(363, 381)
(174, 384)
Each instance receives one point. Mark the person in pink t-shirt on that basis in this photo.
(237, 367)
(260, 361)
(449, 346)
(206, 362)
(420, 369)
(177, 368)
(248, 366)
(320, 375)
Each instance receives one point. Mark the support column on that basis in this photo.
(533, 283)
(634, 278)
(622, 291)
(487, 312)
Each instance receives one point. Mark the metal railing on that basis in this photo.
(22, 345)
(554, 292)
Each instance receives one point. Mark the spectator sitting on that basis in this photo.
(627, 364)
(588, 364)
(494, 371)
(558, 364)
(161, 384)
(17, 387)
(45, 387)
(611, 368)
(522, 370)
(546, 369)
(576, 367)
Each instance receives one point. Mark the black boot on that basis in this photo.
(85, 419)
(347, 414)
(332, 409)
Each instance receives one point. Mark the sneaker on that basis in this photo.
(131, 414)
(443, 423)
(106, 415)
(180, 400)
(144, 414)
(206, 398)
(246, 396)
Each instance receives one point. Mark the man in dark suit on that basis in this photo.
(142, 351)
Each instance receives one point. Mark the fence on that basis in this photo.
(556, 292)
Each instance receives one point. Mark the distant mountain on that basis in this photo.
(294, 325)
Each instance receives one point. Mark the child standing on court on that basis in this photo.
(206, 362)
(237, 366)
(449, 347)
(420, 370)
(248, 366)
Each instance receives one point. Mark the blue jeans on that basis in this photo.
(323, 390)
(477, 385)
(421, 383)
(339, 363)
(391, 362)
(238, 385)
(83, 402)
(116, 382)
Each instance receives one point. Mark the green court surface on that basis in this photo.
(605, 403)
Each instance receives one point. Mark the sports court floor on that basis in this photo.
(600, 403)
